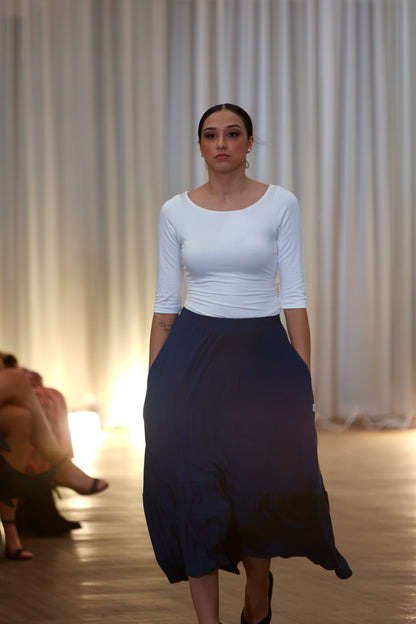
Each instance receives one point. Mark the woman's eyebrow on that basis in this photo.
(226, 127)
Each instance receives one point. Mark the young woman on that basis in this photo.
(231, 469)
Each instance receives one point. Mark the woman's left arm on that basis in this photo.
(299, 334)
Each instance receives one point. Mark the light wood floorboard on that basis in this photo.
(106, 572)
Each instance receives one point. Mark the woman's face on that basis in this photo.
(224, 142)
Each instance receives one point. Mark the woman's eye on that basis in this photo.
(209, 135)
(234, 134)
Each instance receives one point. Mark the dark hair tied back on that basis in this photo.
(10, 361)
(231, 107)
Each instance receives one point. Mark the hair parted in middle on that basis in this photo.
(231, 107)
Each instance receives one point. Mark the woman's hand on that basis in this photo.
(299, 333)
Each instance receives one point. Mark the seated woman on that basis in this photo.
(23, 424)
(41, 515)
(54, 407)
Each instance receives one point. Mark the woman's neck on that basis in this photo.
(229, 185)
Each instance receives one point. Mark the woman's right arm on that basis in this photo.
(169, 279)
(161, 325)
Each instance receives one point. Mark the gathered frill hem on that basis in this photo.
(195, 529)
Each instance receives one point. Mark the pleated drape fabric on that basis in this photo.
(98, 115)
(231, 461)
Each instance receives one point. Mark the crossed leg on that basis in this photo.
(15, 390)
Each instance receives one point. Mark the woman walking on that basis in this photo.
(231, 470)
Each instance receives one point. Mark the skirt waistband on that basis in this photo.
(229, 325)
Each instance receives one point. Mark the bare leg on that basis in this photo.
(256, 604)
(204, 592)
(15, 390)
(16, 428)
(13, 542)
(60, 425)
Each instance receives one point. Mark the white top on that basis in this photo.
(231, 259)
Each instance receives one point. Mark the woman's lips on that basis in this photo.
(221, 156)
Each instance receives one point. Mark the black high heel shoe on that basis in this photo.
(268, 618)
(94, 489)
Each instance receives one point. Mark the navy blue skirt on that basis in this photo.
(231, 462)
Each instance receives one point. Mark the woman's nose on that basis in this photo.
(222, 141)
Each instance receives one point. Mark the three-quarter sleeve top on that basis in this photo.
(231, 260)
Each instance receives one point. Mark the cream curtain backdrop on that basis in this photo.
(100, 101)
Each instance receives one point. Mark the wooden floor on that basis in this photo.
(105, 572)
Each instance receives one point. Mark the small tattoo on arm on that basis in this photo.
(164, 325)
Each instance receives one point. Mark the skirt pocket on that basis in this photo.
(162, 350)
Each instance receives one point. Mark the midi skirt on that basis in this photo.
(231, 464)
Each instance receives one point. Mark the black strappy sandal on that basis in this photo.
(94, 486)
(17, 554)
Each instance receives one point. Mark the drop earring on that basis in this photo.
(247, 163)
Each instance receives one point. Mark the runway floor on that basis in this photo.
(105, 572)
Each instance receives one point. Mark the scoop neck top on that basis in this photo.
(264, 196)
(231, 263)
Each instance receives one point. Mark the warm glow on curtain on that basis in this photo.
(98, 113)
